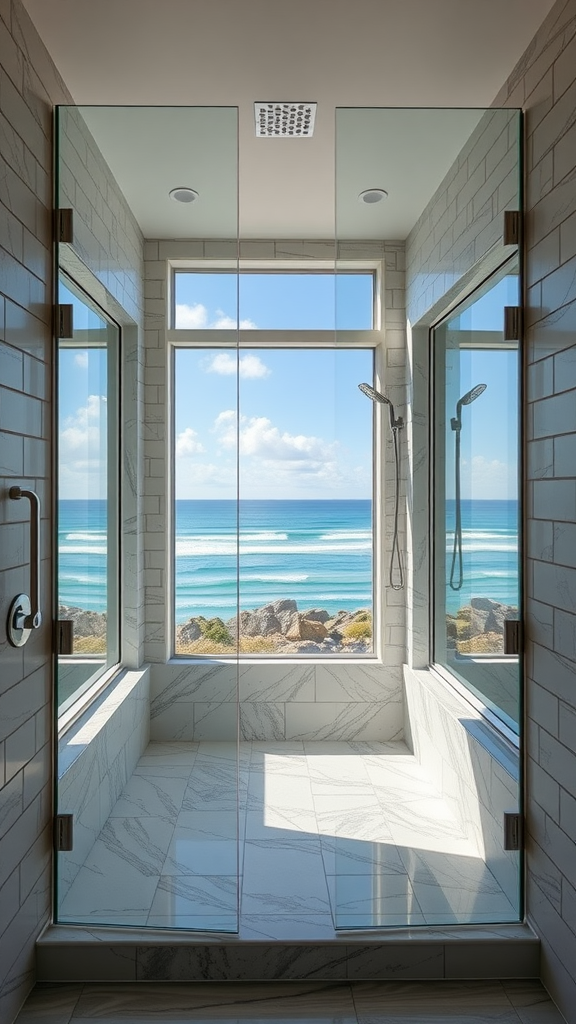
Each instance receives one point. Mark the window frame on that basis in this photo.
(498, 718)
(77, 703)
(246, 338)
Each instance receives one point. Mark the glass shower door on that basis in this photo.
(148, 774)
(418, 836)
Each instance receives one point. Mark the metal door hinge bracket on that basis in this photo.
(512, 323)
(64, 832)
(512, 226)
(513, 830)
(513, 636)
(64, 227)
(65, 320)
(65, 636)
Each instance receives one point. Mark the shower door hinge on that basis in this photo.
(65, 636)
(64, 832)
(64, 224)
(65, 320)
(512, 225)
(513, 830)
(513, 636)
(512, 323)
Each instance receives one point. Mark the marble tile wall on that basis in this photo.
(275, 702)
(475, 769)
(544, 84)
(29, 85)
(96, 758)
(303, 702)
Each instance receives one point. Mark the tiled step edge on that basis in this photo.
(68, 953)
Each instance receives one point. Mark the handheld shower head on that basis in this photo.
(472, 395)
(467, 399)
(376, 396)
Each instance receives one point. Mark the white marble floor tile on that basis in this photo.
(184, 895)
(372, 896)
(280, 823)
(357, 857)
(286, 926)
(418, 1000)
(231, 1001)
(195, 922)
(170, 754)
(188, 855)
(364, 812)
(150, 795)
(280, 879)
(463, 904)
(209, 824)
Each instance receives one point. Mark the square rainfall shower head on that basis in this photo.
(284, 120)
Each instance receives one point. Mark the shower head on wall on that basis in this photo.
(376, 396)
(467, 399)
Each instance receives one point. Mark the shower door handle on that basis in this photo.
(25, 614)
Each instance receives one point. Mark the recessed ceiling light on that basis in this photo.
(183, 195)
(372, 195)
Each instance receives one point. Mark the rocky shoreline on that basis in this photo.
(280, 628)
(478, 628)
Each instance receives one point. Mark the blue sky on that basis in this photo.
(305, 429)
(82, 407)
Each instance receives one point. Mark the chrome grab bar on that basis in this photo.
(25, 614)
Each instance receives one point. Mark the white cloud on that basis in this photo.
(81, 360)
(187, 443)
(224, 322)
(250, 367)
(189, 318)
(259, 437)
(86, 429)
(82, 451)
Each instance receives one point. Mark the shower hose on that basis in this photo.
(457, 575)
(396, 556)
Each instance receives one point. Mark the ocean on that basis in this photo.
(319, 553)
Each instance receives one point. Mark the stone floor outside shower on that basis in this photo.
(333, 836)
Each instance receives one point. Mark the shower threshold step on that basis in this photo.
(66, 953)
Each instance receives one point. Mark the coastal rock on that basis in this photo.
(306, 629)
(86, 623)
(189, 632)
(279, 628)
(316, 615)
(479, 626)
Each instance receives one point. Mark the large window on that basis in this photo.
(273, 452)
(274, 301)
(476, 499)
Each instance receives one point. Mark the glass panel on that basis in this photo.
(273, 301)
(155, 824)
(477, 512)
(410, 822)
(305, 517)
(88, 498)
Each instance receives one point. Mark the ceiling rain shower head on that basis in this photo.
(376, 396)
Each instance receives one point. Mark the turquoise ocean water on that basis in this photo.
(319, 553)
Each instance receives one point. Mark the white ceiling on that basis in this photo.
(340, 53)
